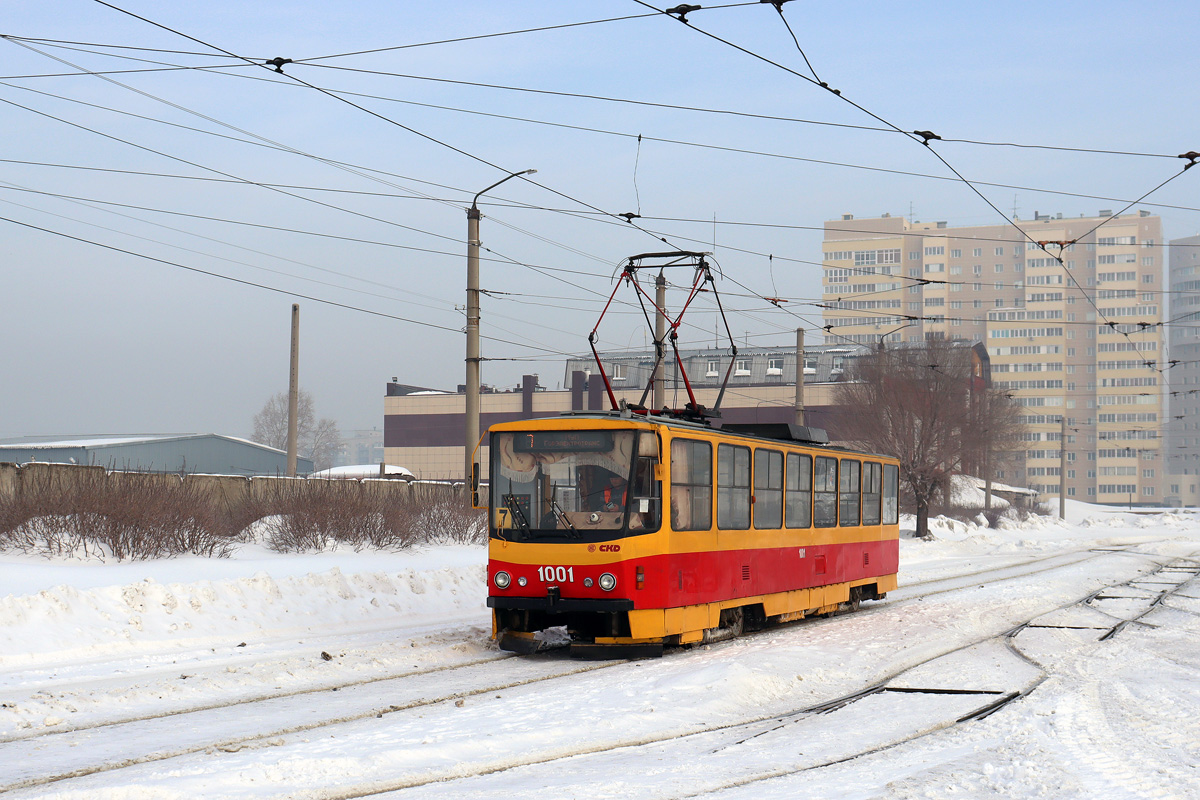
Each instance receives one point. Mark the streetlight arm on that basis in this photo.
(497, 183)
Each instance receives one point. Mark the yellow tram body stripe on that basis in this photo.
(690, 622)
(680, 542)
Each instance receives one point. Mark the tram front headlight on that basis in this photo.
(502, 579)
(608, 581)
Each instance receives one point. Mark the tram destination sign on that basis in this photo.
(563, 441)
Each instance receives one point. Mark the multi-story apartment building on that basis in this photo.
(1183, 438)
(1069, 309)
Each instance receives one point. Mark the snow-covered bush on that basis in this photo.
(319, 515)
(126, 517)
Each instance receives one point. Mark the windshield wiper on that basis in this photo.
(515, 512)
(561, 515)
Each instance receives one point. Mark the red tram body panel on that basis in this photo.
(638, 532)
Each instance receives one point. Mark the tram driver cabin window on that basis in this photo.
(691, 485)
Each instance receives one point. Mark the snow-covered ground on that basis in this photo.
(353, 674)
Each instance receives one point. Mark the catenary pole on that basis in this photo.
(473, 357)
(1062, 468)
(293, 392)
(799, 376)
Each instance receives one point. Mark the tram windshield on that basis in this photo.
(571, 483)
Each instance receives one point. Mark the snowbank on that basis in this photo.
(81, 611)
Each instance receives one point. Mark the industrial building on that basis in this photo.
(423, 429)
(197, 453)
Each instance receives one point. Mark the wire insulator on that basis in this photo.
(682, 11)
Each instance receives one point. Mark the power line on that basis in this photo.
(265, 287)
(715, 111)
(759, 153)
(286, 274)
(224, 174)
(922, 137)
(622, 134)
(278, 65)
(72, 45)
(311, 61)
(390, 120)
(257, 139)
(290, 275)
(498, 203)
(478, 37)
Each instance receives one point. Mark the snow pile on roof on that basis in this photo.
(359, 471)
(84, 441)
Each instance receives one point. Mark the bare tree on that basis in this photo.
(993, 439)
(319, 440)
(929, 407)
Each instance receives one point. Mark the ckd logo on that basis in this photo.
(610, 548)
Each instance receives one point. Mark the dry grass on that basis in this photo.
(134, 518)
(125, 516)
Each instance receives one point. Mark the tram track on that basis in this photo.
(68, 740)
(11, 696)
(1009, 637)
(554, 670)
(752, 730)
(499, 656)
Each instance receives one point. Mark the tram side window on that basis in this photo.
(733, 487)
(768, 489)
(691, 485)
(799, 491)
(825, 486)
(870, 497)
(849, 491)
(891, 494)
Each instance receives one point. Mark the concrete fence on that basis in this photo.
(18, 481)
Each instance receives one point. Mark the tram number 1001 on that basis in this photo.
(556, 574)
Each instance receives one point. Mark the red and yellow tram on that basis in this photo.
(636, 532)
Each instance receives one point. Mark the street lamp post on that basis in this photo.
(472, 394)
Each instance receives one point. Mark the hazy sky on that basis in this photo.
(139, 205)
